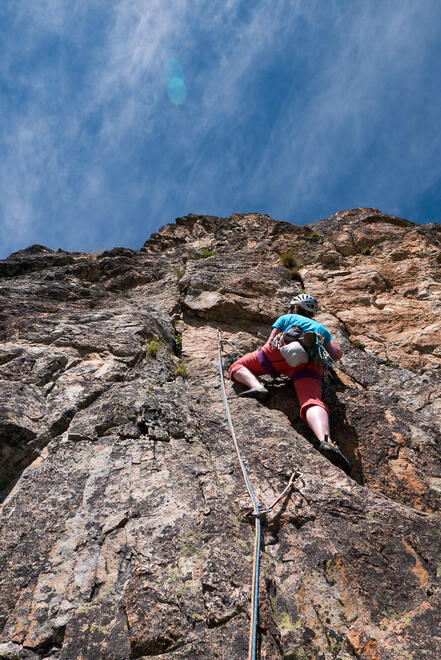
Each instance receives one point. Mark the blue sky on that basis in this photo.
(116, 116)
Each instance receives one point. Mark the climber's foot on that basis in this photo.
(333, 454)
(260, 393)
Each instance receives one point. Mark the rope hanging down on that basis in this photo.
(257, 513)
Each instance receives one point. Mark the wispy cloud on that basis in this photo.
(293, 108)
(363, 117)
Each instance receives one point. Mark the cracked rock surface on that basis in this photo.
(124, 532)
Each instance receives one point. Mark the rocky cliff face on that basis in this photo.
(124, 532)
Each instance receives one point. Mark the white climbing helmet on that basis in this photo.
(306, 302)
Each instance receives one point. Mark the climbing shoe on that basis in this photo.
(333, 454)
(260, 393)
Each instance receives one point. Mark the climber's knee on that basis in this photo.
(249, 361)
(309, 403)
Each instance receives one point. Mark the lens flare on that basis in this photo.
(176, 89)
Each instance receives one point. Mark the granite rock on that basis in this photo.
(124, 526)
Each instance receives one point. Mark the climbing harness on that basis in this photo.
(256, 511)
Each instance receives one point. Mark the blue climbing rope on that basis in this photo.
(256, 512)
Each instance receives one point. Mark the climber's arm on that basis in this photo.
(274, 332)
(334, 350)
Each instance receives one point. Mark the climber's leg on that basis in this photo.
(318, 421)
(244, 376)
(246, 369)
(312, 408)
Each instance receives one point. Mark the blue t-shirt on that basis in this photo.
(308, 325)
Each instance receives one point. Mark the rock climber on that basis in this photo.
(306, 378)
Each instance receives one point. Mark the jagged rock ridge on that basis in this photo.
(123, 528)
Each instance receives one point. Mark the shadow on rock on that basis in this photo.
(283, 398)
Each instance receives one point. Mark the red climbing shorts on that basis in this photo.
(307, 379)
